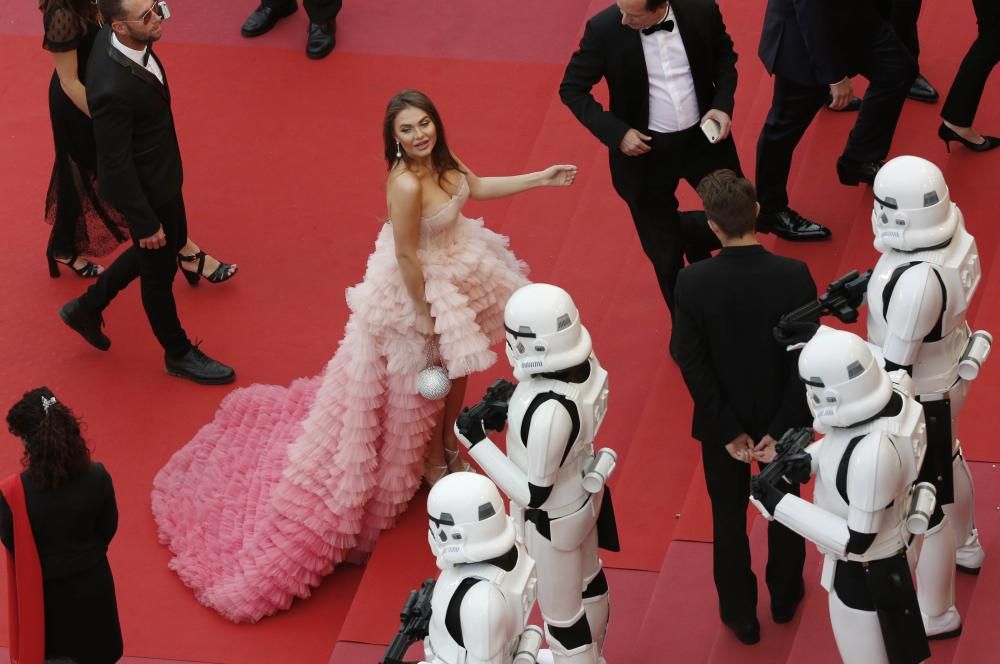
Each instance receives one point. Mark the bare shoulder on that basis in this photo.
(403, 183)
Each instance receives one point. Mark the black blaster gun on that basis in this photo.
(491, 411)
(414, 623)
(792, 463)
(842, 299)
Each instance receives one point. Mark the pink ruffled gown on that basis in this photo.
(286, 482)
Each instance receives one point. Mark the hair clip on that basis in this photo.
(47, 402)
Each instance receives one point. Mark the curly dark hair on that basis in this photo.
(54, 450)
(442, 160)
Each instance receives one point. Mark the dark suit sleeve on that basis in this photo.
(107, 520)
(724, 72)
(688, 348)
(585, 69)
(815, 26)
(118, 180)
(794, 411)
(6, 525)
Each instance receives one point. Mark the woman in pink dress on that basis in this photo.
(285, 483)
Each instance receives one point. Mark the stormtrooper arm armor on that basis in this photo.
(512, 480)
(549, 437)
(873, 482)
(914, 308)
(487, 626)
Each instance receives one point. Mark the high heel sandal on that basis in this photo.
(433, 472)
(947, 134)
(224, 272)
(87, 271)
(456, 464)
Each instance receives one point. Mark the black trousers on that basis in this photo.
(967, 90)
(728, 482)
(903, 15)
(890, 71)
(319, 11)
(666, 236)
(155, 269)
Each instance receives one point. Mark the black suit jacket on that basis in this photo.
(817, 42)
(73, 525)
(612, 51)
(138, 158)
(741, 379)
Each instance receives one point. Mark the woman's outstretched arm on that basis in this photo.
(486, 188)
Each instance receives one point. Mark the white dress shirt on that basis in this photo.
(673, 105)
(152, 66)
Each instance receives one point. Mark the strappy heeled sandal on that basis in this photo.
(433, 472)
(456, 464)
(224, 272)
(86, 271)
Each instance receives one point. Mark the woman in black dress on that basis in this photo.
(82, 223)
(73, 515)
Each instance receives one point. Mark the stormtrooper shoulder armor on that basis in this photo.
(484, 636)
(874, 473)
(552, 427)
(916, 301)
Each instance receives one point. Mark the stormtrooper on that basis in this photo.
(917, 301)
(486, 589)
(865, 504)
(551, 473)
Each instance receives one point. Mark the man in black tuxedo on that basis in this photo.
(322, 35)
(813, 47)
(903, 15)
(746, 392)
(668, 66)
(139, 172)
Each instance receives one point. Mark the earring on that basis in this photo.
(399, 151)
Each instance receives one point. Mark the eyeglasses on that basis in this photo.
(147, 15)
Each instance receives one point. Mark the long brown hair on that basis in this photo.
(54, 449)
(442, 160)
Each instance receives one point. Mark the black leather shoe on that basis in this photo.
(784, 613)
(86, 323)
(853, 172)
(200, 368)
(264, 18)
(747, 632)
(792, 226)
(322, 39)
(922, 90)
(853, 105)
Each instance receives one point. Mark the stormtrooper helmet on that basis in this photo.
(913, 209)
(845, 384)
(544, 332)
(467, 520)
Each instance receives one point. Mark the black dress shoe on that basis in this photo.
(86, 323)
(853, 105)
(200, 368)
(747, 632)
(264, 18)
(853, 172)
(922, 90)
(784, 613)
(322, 39)
(790, 225)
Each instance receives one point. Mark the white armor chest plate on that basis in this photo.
(907, 434)
(591, 400)
(518, 587)
(935, 368)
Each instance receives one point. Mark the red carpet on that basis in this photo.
(284, 177)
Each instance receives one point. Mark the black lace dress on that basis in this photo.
(82, 223)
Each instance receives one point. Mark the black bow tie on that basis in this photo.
(665, 25)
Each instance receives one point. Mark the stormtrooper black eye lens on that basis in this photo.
(442, 536)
